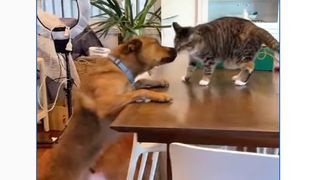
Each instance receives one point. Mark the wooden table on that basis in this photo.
(221, 114)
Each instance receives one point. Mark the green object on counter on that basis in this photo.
(263, 60)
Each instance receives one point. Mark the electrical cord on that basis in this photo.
(61, 64)
(55, 101)
(264, 54)
(68, 48)
(56, 98)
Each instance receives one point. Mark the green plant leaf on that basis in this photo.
(105, 10)
(128, 10)
(155, 15)
(145, 3)
(141, 16)
(116, 15)
(103, 26)
(117, 7)
(170, 17)
(156, 26)
(159, 32)
(99, 15)
(101, 2)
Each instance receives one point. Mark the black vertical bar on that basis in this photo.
(169, 171)
(69, 86)
(62, 8)
(53, 7)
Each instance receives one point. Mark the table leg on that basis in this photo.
(169, 173)
(252, 149)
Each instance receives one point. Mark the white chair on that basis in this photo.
(190, 162)
(43, 113)
(144, 149)
(264, 150)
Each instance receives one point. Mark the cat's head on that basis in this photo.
(188, 38)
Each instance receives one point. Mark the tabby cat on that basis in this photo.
(230, 40)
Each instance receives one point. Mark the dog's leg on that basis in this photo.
(148, 83)
(114, 103)
(82, 141)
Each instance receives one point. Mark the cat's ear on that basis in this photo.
(176, 27)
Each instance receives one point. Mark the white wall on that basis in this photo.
(267, 9)
(186, 11)
(194, 12)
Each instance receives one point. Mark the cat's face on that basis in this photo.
(187, 38)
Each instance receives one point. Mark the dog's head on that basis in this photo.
(189, 38)
(144, 53)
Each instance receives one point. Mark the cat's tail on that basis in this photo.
(267, 39)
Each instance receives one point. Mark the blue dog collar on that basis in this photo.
(123, 68)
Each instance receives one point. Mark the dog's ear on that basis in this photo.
(132, 45)
(176, 27)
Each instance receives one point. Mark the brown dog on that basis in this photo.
(105, 90)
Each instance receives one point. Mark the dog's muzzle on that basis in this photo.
(172, 56)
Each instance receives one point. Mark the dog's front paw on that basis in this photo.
(148, 84)
(204, 82)
(143, 95)
(159, 97)
(185, 78)
(162, 97)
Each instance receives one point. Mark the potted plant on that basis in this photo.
(115, 15)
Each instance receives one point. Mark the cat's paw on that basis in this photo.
(204, 82)
(185, 78)
(240, 83)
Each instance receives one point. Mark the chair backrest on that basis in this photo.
(189, 162)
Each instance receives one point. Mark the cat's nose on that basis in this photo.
(172, 56)
(175, 44)
(177, 48)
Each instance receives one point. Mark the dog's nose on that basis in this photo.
(172, 56)
(173, 53)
